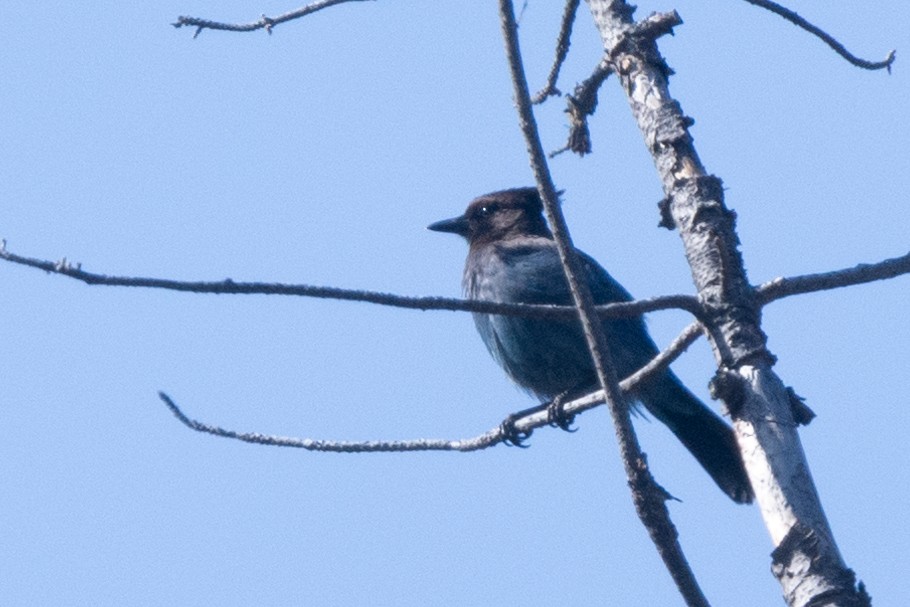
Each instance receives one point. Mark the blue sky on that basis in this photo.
(318, 155)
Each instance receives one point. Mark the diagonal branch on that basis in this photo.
(562, 51)
(264, 22)
(525, 425)
(649, 498)
(839, 48)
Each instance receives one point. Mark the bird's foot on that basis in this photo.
(556, 413)
(512, 436)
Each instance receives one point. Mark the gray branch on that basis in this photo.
(768, 292)
(264, 22)
(824, 281)
(824, 36)
(228, 286)
(524, 425)
(648, 497)
(562, 51)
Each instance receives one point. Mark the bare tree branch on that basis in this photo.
(768, 292)
(228, 286)
(481, 442)
(534, 419)
(562, 50)
(839, 48)
(809, 283)
(264, 22)
(649, 498)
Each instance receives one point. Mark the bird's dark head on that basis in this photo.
(498, 216)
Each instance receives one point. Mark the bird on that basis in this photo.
(512, 258)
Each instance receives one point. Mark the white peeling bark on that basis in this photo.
(805, 560)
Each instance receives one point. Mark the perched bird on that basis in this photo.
(512, 258)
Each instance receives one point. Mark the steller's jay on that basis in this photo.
(512, 258)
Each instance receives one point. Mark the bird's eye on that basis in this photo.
(487, 210)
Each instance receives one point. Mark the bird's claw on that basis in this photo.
(512, 436)
(557, 416)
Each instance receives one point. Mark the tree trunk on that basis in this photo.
(805, 559)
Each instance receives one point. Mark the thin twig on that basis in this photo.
(421, 444)
(228, 286)
(649, 498)
(524, 425)
(562, 51)
(839, 48)
(809, 283)
(264, 22)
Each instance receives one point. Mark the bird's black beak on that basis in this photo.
(455, 225)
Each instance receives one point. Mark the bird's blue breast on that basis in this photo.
(546, 356)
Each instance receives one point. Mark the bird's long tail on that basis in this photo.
(703, 433)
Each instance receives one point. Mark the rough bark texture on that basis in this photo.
(806, 559)
(801, 563)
